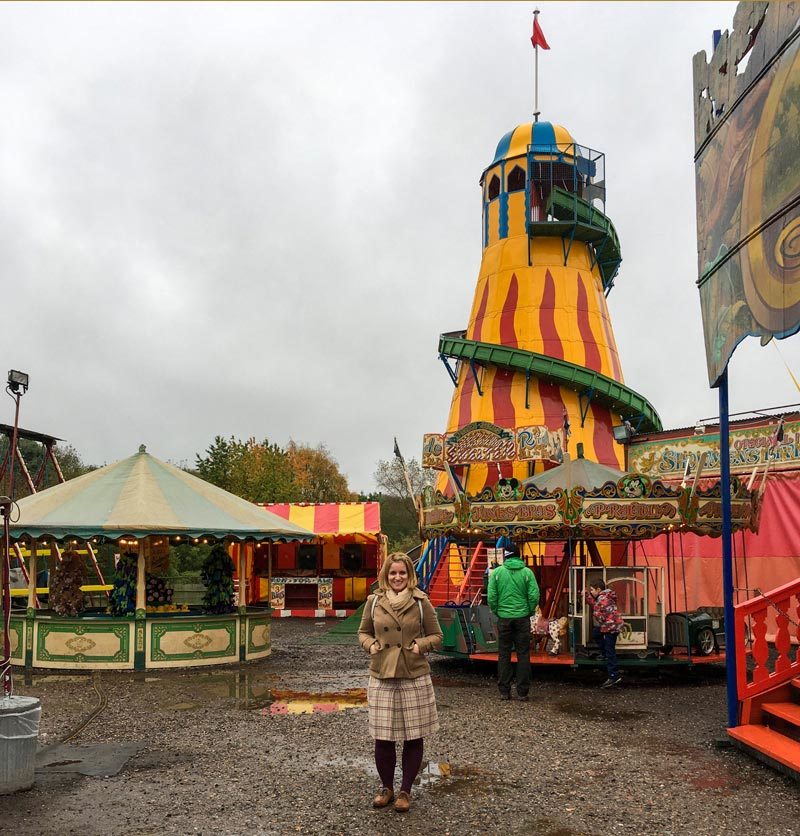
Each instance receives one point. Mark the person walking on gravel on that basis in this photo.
(606, 626)
(398, 627)
(513, 597)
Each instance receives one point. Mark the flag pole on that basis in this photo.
(535, 73)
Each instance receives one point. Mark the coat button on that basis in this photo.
(386, 628)
(399, 645)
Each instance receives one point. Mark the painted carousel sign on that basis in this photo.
(753, 447)
(633, 507)
(482, 441)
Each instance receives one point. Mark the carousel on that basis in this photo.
(576, 523)
(142, 506)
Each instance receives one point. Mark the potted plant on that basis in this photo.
(66, 597)
(217, 576)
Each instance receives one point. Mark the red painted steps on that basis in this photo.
(783, 717)
(443, 588)
(776, 741)
(770, 747)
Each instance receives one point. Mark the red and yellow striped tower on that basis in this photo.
(539, 349)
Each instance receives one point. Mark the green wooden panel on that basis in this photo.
(252, 623)
(188, 626)
(17, 628)
(85, 638)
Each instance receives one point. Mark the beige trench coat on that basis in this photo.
(396, 632)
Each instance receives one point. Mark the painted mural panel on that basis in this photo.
(747, 132)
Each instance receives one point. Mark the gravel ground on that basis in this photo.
(574, 760)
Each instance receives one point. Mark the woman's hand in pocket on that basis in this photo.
(374, 648)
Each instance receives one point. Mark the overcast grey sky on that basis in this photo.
(256, 219)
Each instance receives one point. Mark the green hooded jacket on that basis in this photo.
(513, 591)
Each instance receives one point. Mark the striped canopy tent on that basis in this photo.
(351, 521)
(578, 473)
(143, 496)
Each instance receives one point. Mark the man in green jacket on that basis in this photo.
(513, 597)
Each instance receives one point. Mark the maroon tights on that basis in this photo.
(386, 760)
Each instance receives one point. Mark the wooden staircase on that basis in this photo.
(769, 689)
(776, 739)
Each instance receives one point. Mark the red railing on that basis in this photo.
(473, 578)
(774, 663)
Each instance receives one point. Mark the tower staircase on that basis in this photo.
(448, 576)
(472, 585)
(768, 689)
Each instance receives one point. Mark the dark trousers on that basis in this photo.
(607, 642)
(514, 633)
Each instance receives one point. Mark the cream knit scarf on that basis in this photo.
(398, 600)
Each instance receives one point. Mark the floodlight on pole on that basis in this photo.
(17, 380)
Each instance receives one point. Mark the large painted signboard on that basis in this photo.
(747, 167)
(669, 459)
(482, 441)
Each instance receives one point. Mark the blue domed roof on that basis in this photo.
(543, 136)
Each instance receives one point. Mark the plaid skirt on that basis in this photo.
(402, 709)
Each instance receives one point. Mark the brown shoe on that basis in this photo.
(383, 798)
(402, 803)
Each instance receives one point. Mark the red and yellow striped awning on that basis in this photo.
(332, 519)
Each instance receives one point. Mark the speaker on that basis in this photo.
(352, 557)
(307, 557)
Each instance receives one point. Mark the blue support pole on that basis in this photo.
(727, 553)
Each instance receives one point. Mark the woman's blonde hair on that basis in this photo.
(396, 557)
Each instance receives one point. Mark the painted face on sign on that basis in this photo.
(398, 577)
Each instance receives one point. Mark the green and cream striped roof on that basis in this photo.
(142, 496)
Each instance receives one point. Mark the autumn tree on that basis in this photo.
(317, 477)
(258, 471)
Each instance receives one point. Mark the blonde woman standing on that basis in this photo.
(398, 627)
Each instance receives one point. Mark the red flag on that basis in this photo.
(537, 38)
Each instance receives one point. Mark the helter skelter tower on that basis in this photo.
(538, 357)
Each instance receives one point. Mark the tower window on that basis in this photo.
(494, 187)
(516, 179)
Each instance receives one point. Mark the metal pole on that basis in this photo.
(5, 669)
(727, 553)
(535, 72)
(6, 666)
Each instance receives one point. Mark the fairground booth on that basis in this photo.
(142, 506)
(329, 576)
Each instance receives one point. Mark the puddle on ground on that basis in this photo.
(448, 682)
(545, 826)
(43, 680)
(590, 711)
(432, 773)
(308, 702)
(182, 706)
(437, 776)
(98, 760)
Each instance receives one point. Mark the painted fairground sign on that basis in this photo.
(482, 441)
(753, 447)
(747, 132)
(635, 507)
